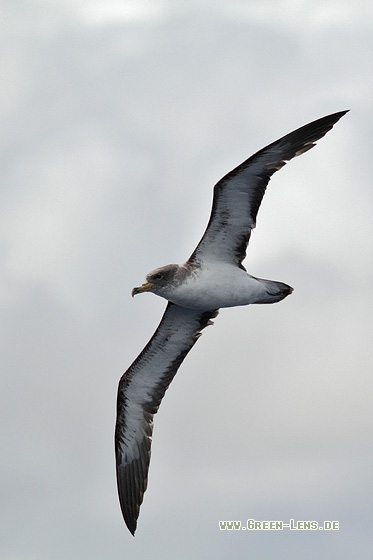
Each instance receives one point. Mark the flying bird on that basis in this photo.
(213, 277)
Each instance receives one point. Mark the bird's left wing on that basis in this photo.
(238, 195)
(140, 392)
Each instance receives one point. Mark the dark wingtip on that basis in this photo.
(130, 521)
(131, 527)
(340, 114)
(128, 501)
(333, 118)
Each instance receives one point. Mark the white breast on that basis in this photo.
(220, 285)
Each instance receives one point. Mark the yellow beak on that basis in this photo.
(145, 287)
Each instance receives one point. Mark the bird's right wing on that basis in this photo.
(140, 392)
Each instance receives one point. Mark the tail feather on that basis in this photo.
(274, 291)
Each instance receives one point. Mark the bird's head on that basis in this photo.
(159, 280)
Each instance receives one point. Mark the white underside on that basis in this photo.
(216, 286)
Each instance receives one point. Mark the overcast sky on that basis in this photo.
(117, 118)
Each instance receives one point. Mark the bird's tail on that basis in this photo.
(274, 291)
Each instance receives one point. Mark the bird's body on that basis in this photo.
(212, 278)
(233, 286)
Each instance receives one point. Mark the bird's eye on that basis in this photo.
(158, 276)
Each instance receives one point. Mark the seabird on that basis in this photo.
(213, 277)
